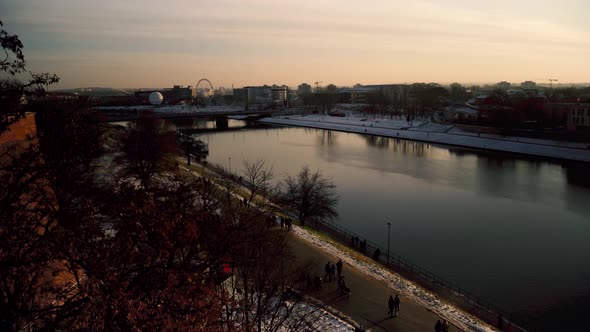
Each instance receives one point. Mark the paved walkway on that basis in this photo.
(367, 304)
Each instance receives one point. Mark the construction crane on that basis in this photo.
(317, 86)
(551, 80)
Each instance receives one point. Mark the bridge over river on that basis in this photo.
(130, 113)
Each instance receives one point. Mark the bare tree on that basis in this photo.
(258, 177)
(312, 195)
(264, 275)
(12, 91)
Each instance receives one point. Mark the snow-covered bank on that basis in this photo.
(456, 316)
(427, 131)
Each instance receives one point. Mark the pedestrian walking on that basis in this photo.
(328, 270)
(289, 224)
(438, 326)
(376, 254)
(282, 222)
(396, 304)
(333, 272)
(339, 267)
(445, 326)
(391, 306)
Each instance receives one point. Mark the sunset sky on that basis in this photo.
(144, 43)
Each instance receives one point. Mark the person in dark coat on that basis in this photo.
(376, 254)
(328, 270)
(339, 267)
(445, 326)
(289, 224)
(391, 306)
(396, 304)
(438, 326)
(333, 272)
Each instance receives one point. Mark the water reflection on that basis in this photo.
(327, 137)
(509, 228)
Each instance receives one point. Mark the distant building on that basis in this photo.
(175, 95)
(528, 85)
(578, 117)
(303, 89)
(220, 91)
(279, 94)
(259, 94)
(355, 95)
(396, 93)
(575, 116)
(503, 85)
(460, 113)
(359, 94)
(240, 94)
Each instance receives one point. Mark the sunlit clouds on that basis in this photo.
(159, 43)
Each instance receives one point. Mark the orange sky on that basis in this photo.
(157, 43)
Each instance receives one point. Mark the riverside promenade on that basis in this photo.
(427, 131)
(371, 285)
(367, 304)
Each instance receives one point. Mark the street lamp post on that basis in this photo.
(388, 239)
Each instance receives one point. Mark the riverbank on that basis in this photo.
(371, 282)
(427, 131)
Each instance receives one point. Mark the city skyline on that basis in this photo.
(156, 44)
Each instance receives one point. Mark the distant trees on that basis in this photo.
(458, 93)
(331, 88)
(428, 96)
(312, 195)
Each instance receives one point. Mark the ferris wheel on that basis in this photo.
(206, 91)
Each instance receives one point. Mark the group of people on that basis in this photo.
(441, 326)
(331, 270)
(393, 305)
(285, 222)
(356, 242)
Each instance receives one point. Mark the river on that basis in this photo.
(512, 230)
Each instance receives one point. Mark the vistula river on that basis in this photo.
(513, 230)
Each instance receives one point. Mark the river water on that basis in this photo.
(513, 230)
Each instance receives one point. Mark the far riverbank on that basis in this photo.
(427, 131)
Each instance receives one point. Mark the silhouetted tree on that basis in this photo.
(13, 93)
(43, 188)
(147, 149)
(258, 178)
(312, 195)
